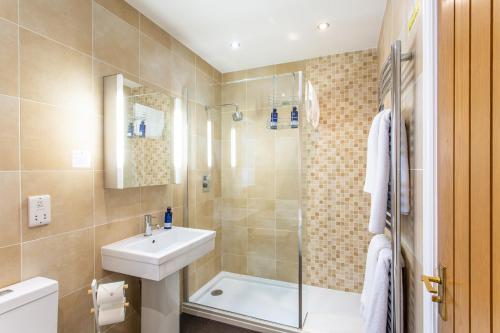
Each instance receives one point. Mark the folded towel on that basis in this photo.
(371, 156)
(377, 243)
(380, 188)
(375, 313)
(378, 168)
(312, 105)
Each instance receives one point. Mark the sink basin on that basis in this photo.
(158, 256)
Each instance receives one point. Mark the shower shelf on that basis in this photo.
(281, 126)
(279, 101)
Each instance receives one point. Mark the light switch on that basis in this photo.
(38, 210)
(81, 159)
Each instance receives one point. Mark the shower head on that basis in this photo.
(237, 115)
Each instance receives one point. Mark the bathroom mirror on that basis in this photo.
(137, 134)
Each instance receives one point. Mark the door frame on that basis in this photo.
(429, 153)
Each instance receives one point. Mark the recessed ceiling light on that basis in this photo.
(323, 26)
(235, 44)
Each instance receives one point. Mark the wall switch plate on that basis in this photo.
(81, 159)
(38, 210)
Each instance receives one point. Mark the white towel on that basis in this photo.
(375, 316)
(377, 243)
(371, 156)
(312, 105)
(378, 171)
(380, 188)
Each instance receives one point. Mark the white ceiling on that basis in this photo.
(270, 31)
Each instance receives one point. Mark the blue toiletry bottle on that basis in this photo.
(130, 132)
(168, 218)
(273, 124)
(294, 118)
(142, 128)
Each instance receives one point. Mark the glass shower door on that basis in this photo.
(258, 167)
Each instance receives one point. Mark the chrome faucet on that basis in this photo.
(148, 222)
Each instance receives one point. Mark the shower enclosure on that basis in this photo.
(244, 182)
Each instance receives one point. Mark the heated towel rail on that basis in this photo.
(390, 80)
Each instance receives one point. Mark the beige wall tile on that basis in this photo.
(43, 125)
(8, 10)
(112, 205)
(67, 21)
(205, 88)
(234, 263)
(261, 71)
(261, 213)
(261, 243)
(9, 136)
(54, 74)
(287, 184)
(182, 51)
(263, 186)
(109, 233)
(155, 62)
(182, 76)
(74, 313)
(121, 9)
(205, 67)
(234, 76)
(115, 41)
(72, 262)
(261, 267)
(287, 271)
(207, 271)
(235, 93)
(10, 261)
(71, 201)
(153, 31)
(287, 153)
(156, 198)
(9, 58)
(10, 208)
(287, 246)
(258, 93)
(290, 67)
(235, 240)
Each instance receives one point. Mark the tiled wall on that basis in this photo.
(53, 56)
(260, 189)
(336, 210)
(395, 27)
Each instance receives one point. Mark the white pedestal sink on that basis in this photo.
(157, 260)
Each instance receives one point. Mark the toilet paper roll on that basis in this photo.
(110, 293)
(111, 313)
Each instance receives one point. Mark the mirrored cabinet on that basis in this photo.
(138, 129)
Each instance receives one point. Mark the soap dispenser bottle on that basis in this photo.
(273, 123)
(168, 218)
(294, 118)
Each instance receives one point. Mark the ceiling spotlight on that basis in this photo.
(235, 44)
(323, 26)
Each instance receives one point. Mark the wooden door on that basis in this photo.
(468, 163)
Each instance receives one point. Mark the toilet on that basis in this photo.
(29, 306)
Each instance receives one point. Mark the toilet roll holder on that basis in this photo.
(95, 310)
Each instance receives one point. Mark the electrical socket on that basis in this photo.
(39, 210)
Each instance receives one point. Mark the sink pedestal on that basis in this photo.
(161, 305)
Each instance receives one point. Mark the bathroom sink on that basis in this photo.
(159, 255)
